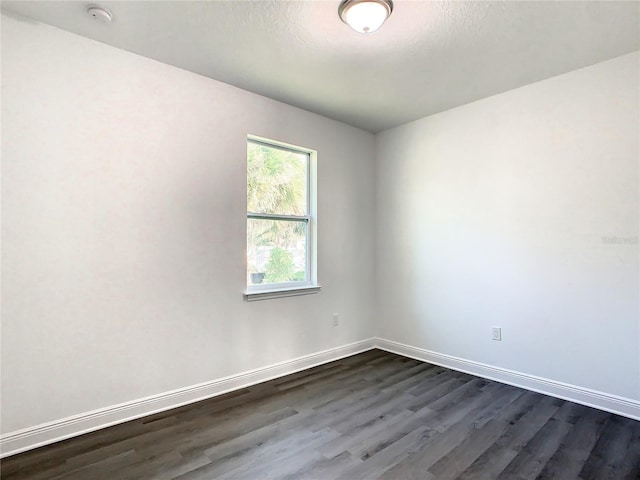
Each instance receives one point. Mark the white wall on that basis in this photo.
(494, 213)
(123, 210)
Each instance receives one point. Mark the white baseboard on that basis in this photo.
(592, 398)
(46, 433)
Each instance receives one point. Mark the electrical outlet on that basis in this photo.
(336, 319)
(496, 333)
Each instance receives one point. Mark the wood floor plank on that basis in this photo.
(182, 468)
(630, 468)
(434, 448)
(610, 457)
(368, 416)
(535, 454)
(433, 374)
(486, 429)
(357, 438)
(573, 452)
(325, 468)
(285, 459)
(534, 410)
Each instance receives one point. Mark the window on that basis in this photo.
(280, 220)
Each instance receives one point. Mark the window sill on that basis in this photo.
(282, 292)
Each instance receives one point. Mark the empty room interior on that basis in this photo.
(355, 239)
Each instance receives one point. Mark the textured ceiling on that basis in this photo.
(429, 56)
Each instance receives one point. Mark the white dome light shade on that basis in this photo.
(365, 16)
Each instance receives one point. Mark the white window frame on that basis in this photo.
(310, 284)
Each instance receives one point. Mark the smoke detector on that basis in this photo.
(99, 14)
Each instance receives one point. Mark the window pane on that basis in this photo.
(276, 251)
(276, 180)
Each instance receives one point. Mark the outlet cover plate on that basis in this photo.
(496, 333)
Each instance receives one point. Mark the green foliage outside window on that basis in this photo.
(276, 185)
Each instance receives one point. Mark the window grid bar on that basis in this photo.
(285, 218)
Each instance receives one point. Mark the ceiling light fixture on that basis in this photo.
(365, 16)
(99, 14)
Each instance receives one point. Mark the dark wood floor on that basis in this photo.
(371, 416)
